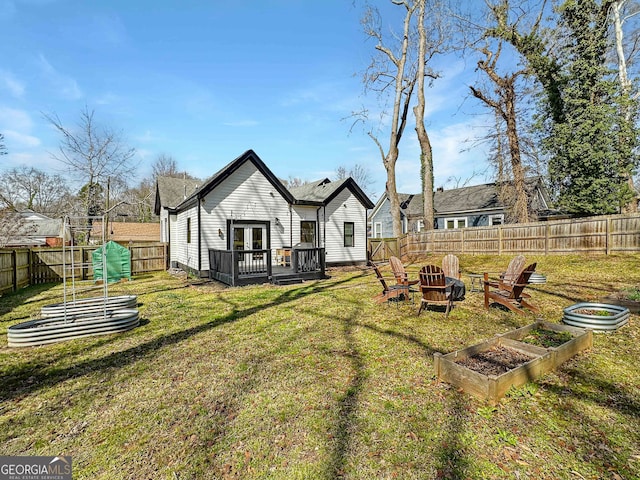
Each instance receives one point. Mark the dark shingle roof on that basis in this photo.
(464, 199)
(173, 191)
(317, 191)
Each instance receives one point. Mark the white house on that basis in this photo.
(242, 225)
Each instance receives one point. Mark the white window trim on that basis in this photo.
(377, 230)
(457, 221)
(497, 215)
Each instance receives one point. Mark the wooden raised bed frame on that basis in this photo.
(491, 387)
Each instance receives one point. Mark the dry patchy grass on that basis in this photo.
(317, 381)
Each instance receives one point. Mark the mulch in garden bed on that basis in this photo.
(495, 361)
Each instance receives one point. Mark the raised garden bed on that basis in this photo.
(622, 299)
(489, 369)
(597, 316)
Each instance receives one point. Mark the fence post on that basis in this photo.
(499, 240)
(546, 239)
(607, 240)
(14, 265)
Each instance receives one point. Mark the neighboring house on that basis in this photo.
(244, 221)
(474, 206)
(125, 232)
(37, 230)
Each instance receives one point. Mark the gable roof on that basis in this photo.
(318, 193)
(462, 200)
(226, 171)
(321, 192)
(171, 191)
(465, 199)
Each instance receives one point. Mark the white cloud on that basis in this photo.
(456, 159)
(66, 86)
(20, 140)
(11, 118)
(10, 83)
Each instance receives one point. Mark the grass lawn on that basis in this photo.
(317, 381)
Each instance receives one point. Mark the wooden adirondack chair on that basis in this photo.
(402, 277)
(510, 276)
(433, 287)
(512, 297)
(389, 292)
(451, 266)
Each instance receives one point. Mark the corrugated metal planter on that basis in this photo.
(58, 329)
(89, 305)
(493, 387)
(601, 317)
(537, 278)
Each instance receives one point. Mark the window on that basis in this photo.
(496, 219)
(189, 230)
(308, 232)
(455, 222)
(419, 226)
(349, 237)
(377, 230)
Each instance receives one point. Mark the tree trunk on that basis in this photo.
(426, 153)
(521, 209)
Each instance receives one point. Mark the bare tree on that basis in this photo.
(390, 71)
(428, 47)
(293, 182)
(166, 166)
(93, 154)
(621, 12)
(12, 225)
(3, 147)
(360, 175)
(504, 105)
(27, 187)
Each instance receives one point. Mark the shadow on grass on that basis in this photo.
(15, 299)
(590, 434)
(451, 458)
(28, 378)
(348, 404)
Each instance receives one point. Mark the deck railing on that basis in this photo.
(240, 267)
(308, 260)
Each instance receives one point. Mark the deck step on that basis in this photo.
(287, 281)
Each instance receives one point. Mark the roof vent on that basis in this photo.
(440, 189)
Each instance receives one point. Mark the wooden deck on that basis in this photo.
(246, 267)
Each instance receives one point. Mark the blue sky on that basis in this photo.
(205, 81)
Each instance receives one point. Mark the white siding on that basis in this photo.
(173, 228)
(304, 213)
(345, 208)
(183, 252)
(244, 196)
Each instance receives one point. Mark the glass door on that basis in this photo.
(250, 237)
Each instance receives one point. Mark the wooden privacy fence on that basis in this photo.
(32, 266)
(590, 235)
(380, 249)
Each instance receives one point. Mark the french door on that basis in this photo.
(250, 237)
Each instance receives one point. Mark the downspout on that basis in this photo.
(290, 226)
(199, 241)
(318, 223)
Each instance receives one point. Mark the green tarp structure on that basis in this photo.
(118, 262)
